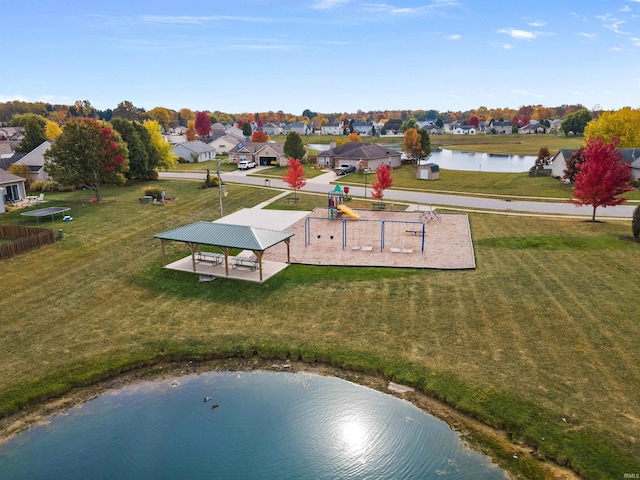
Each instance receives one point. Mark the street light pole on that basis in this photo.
(366, 172)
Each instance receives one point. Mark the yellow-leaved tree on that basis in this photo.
(623, 123)
(160, 151)
(52, 130)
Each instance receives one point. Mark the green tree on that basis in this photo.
(439, 123)
(160, 115)
(33, 134)
(425, 143)
(139, 167)
(88, 153)
(246, 129)
(128, 111)
(575, 122)
(635, 223)
(294, 147)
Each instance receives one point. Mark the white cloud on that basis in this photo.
(386, 8)
(635, 41)
(453, 37)
(536, 24)
(587, 35)
(518, 91)
(612, 23)
(626, 8)
(519, 34)
(326, 4)
(196, 20)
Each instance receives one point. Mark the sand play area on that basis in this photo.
(380, 238)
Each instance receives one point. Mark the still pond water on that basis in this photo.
(470, 161)
(265, 426)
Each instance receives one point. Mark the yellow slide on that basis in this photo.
(348, 212)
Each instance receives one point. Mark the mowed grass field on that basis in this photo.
(540, 340)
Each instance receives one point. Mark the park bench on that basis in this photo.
(244, 262)
(208, 257)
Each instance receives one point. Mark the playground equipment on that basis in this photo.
(348, 211)
(335, 198)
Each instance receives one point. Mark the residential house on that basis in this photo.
(194, 151)
(363, 128)
(263, 153)
(6, 150)
(11, 189)
(35, 161)
(179, 130)
(360, 155)
(464, 130)
(298, 127)
(533, 128)
(501, 128)
(233, 129)
(629, 155)
(221, 141)
(13, 134)
(331, 128)
(433, 129)
(272, 129)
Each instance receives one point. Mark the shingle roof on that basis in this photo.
(6, 177)
(226, 235)
(197, 146)
(360, 151)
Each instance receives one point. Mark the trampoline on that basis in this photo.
(45, 212)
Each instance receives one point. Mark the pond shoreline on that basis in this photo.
(475, 434)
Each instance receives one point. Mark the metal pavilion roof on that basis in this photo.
(226, 235)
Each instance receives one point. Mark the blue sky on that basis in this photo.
(325, 55)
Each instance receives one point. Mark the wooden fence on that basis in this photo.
(23, 239)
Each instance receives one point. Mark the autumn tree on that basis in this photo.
(542, 160)
(416, 144)
(635, 223)
(383, 172)
(294, 147)
(160, 151)
(139, 165)
(295, 176)
(259, 136)
(602, 177)
(623, 124)
(52, 130)
(474, 121)
(575, 122)
(184, 115)
(128, 111)
(160, 115)
(191, 131)
(572, 163)
(353, 137)
(88, 153)
(203, 124)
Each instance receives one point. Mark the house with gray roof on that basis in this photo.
(629, 155)
(222, 141)
(272, 129)
(35, 161)
(360, 155)
(464, 130)
(501, 128)
(194, 151)
(331, 128)
(363, 128)
(298, 127)
(263, 153)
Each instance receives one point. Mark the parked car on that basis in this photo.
(246, 164)
(344, 169)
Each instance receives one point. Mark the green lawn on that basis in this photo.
(541, 340)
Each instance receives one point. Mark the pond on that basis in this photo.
(255, 425)
(470, 161)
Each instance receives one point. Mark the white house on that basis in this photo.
(629, 155)
(11, 189)
(464, 130)
(331, 128)
(298, 127)
(222, 142)
(272, 129)
(363, 128)
(194, 151)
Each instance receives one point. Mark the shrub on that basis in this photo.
(635, 223)
(636, 184)
(152, 191)
(40, 186)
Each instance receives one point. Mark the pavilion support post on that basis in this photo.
(288, 244)
(192, 247)
(225, 250)
(258, 255)
(164, 262)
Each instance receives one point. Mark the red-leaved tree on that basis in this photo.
(602, 177)
(203, 124)
(295, 175)
(384, 181)
(259, 136)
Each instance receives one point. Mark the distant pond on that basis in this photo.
(256, 425)
(469, 161)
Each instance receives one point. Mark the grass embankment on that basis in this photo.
(540, 340)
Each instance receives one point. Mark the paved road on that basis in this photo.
(320, 184)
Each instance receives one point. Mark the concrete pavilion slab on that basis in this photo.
(269, 269)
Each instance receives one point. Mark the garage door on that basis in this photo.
(267, 160)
